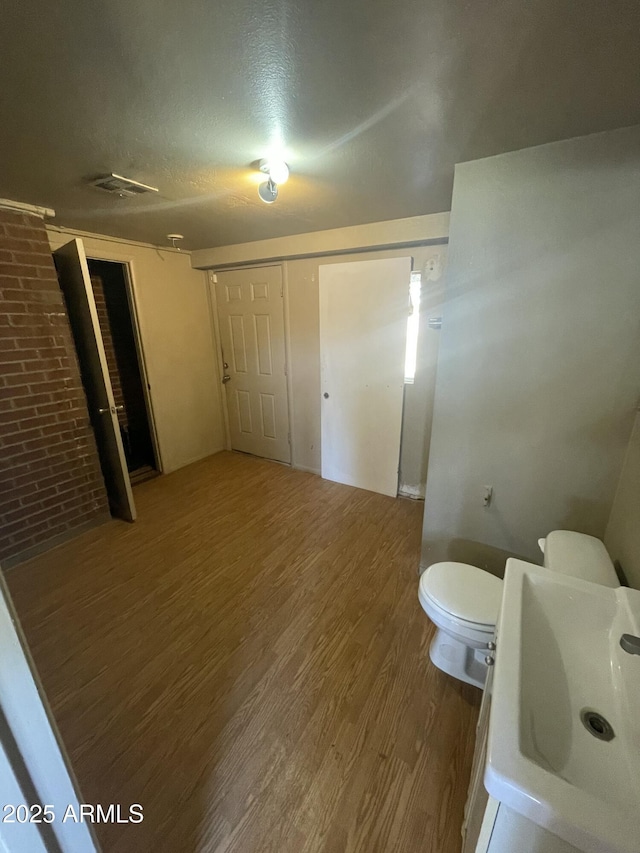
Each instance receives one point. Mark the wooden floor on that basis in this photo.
(249, 661)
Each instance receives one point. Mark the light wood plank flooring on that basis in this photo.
(249, 661)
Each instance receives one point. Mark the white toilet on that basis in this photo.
(463, 601)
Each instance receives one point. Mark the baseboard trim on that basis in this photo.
(306, 469)
(416, 493)
(169, 469)
(54, 542)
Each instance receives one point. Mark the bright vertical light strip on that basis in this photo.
(413, 327)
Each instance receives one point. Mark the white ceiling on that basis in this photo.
(371, 102)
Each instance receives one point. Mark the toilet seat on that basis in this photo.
(463, 603)
(462, 595)
(438, 615)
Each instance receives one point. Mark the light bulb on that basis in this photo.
(278, 171)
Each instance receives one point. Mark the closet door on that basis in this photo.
(364, 307)
(73, 274)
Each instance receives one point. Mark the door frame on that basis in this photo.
(128, 264)
(30, 736)
(215, 322)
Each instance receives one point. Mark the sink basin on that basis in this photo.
(564, 731)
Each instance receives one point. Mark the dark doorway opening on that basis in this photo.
(110, 290)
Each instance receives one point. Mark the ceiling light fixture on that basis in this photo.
(175, 239)
(277, 173)
(268, 191)
(277, 170)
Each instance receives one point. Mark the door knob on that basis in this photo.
(225, 378)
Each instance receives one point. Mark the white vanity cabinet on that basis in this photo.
(477, 800)
(505, 831)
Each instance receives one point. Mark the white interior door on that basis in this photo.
(363, 332)
(251, 323)
(73, 274)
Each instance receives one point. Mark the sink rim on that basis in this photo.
(576, 815)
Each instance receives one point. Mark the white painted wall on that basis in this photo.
(302, 306)
(338, 240)
(623, 530)
(172, 302)
(539, 361)
(418, 398)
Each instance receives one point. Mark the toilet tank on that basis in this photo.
(579, 555)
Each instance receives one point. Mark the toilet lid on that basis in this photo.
(465, 592)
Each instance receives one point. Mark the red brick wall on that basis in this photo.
(50, 477)
(109, 349)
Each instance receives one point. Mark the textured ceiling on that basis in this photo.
(372, 103)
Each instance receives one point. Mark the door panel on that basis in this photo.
(238, 343)
(264, 345)
(363, 333)
(251, 322)
(75, 282)
(268, 411)
(244, 411)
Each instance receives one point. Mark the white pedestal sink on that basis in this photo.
(564, 732)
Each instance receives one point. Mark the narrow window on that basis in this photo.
(413, 326)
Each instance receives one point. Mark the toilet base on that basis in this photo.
(458, 660)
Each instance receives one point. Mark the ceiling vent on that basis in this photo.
(123, 187)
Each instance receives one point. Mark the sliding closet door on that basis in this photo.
(363, 331)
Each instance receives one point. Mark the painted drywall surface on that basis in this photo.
(174, 317)
(302, 289)
(623, 530)
(372, 104)
(418, 398)
(375, 234)
(539, 359)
